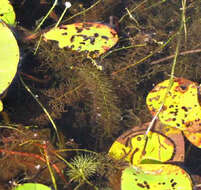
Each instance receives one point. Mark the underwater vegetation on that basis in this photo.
(84, 167)
(77, 75)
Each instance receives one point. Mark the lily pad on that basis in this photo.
(155, 177)
(163, 144)
(194, 138)
(9, 57)
(7, 13)
(181, 107)
(88, 37)
(32, 186)
(1, 106)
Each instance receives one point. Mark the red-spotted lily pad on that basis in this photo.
(181, 107)
(163, 144)
(88, 37)
(155, 177)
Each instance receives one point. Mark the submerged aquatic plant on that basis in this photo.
(84, 166)
(104, 109)
(27, 153)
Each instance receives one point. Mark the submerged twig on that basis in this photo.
(172, 56)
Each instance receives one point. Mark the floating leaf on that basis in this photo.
(181, 107)
(9, 57)
(1, 106)
(7, 13)
(32, 186)
(194, 138)
(91, 37)
(155, 177)
(133, 147)
(176, 137)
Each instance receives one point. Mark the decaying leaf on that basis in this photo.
(89, 37)
(194, 138)
(163, 144)
(181, 107)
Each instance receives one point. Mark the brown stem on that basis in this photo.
(172, 56)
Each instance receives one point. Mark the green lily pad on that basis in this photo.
(88, 37)
(32, 186)
(155, 177)
(9, 58)
(7, 13)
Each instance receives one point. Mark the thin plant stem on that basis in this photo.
(44, 81)
(53, 6)
(151, 124)
(64, 160)
(145, 58)
(76, 150)
(49, 168)
(62, 15)
(122, 48)
(37, 45)
(184, 18)
(133, 18)
(13, 128)
(84, 11)
(129, 12)
(156, 4)
(171, 80)
(44, 109)
(172, 56)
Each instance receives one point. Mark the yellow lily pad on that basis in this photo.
(194, 138)
(89, 37)
(134, 148)
(7, 13)
(181, 107)
(1, 106)
(9, 57)
(155, 177)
